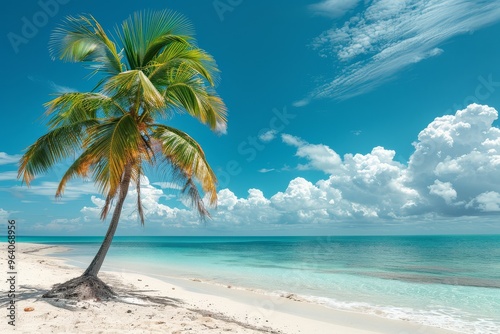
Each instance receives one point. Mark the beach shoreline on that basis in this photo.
(148, 304)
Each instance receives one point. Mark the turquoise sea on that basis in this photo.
(451, 282)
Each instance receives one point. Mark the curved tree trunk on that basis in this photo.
(96, 263)
(89, 286)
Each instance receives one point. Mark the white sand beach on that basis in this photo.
(149, 305)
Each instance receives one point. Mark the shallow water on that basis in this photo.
(451, 282)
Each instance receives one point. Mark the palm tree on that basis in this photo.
(150, 70)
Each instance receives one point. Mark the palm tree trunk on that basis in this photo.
(96, 263)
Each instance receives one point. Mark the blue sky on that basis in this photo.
(345, 117)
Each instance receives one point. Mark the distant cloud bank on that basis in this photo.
(453, 172)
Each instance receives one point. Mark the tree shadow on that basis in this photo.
(138, 297)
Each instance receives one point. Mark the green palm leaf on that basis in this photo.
(186, 155)
(69, 108)
(135, 86)
(113, 144)
(82, 39)
(144, 34)
(152, 69)
(52, 148)
(175, 55)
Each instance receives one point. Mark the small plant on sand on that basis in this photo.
(152, 69)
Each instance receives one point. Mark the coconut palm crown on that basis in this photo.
(151, 69)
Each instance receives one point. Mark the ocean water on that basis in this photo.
(450, 282)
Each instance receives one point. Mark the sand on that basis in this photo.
(146, 304)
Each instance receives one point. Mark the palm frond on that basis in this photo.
(186, 155)
(182, 53)
(135, 86)
(155, 68)
(69, 108)
(187, 92)
(114, 143)
(145, 33)
(82, 39)
(80, 167)
(53, 147)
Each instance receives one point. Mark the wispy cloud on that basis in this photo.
(54, 87)
(389, 35)
(268, 136)
(333, 8)
(266, 170)
(221, 128)
(8, 176)
(74, 190)
(6, 159)
(4, 214)
(59, 88)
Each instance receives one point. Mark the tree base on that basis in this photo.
(81, 288)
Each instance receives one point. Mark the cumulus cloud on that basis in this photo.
(452, 172)
(487, 202)
(154, 210)
(462, 150)
(320, 156)
(444, 190)
(388, 35)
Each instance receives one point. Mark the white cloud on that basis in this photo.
(59, 88)
(4, 214)
(444, 190)
(301, 103)
(168, 185)
(268, 136)
(266, 170)
(462, 150)
(221, 128)
(487, 201)
(453, 172)
(74, 190)
(8, 176)
(6, 159)
(389, 35)
(154, 210)
(52, 85)
(320, 156)
(333, 8)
